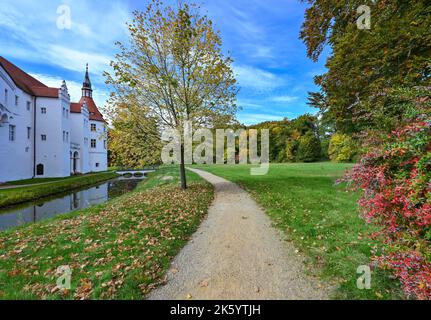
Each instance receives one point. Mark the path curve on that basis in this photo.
(237, 255)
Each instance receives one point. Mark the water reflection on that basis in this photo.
(51, 207)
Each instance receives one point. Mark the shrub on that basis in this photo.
(395, 179)
(341, 148)
(309, 149)
(325, 149)
(291, 150)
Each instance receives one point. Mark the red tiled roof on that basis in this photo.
(26, 82)
(75, 107)
(45, 92)
(95, 114)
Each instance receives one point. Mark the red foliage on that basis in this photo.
(395, 179)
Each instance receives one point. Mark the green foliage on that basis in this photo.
(286, 136)
(309, 148)
(133, 142)
(342, 148)
(174, 67)
(324, 144)
(365, 64)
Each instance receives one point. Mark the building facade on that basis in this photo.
(42, 133)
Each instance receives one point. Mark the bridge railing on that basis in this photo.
(150, 167)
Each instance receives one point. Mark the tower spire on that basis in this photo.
(86, 85)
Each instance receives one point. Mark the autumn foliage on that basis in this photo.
(395, 179)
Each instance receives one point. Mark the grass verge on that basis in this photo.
(9, 197)
(118, 250)
(322, 220)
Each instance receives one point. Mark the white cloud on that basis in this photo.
(29, 32)
(256, 79)
(261, 51)
(284, 99)
(99, 96)
(255, 118)
(75, 60)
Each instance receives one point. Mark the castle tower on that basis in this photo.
(87, 91)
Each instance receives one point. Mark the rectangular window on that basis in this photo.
(28, 105)
(67, 113)
(64, 112)
(64, 136)
(5, 97)
(93, 127)
(43, 137)
(97, 164)
(93, 143)
(43, 110)
(12, 130)
(16, 101)
(67, 136)
(28, 133)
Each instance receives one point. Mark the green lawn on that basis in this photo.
(321, 218)
(19, 195)
(118, 250)
(35, 181)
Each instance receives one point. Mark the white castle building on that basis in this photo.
(42, 133)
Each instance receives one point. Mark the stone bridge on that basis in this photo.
(133, 174)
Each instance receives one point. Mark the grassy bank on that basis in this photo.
(18, 195)
(320, 218)
(118, 250)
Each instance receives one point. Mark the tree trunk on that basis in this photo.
(183, 170)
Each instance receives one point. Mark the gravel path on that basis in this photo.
(237, 255)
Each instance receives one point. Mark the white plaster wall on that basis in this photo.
(67, 127)
(16, 157)
(54, 153)
(100, 153)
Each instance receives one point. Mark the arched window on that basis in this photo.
(39, 169)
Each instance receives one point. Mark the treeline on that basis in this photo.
(306, 139)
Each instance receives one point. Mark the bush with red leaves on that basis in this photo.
(394, 176)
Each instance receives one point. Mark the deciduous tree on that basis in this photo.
(175, 69)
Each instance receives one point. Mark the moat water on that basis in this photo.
(49, 207)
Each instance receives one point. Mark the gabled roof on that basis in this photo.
(26, 82)
(95, 114)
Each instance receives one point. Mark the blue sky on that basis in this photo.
(262, 36)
